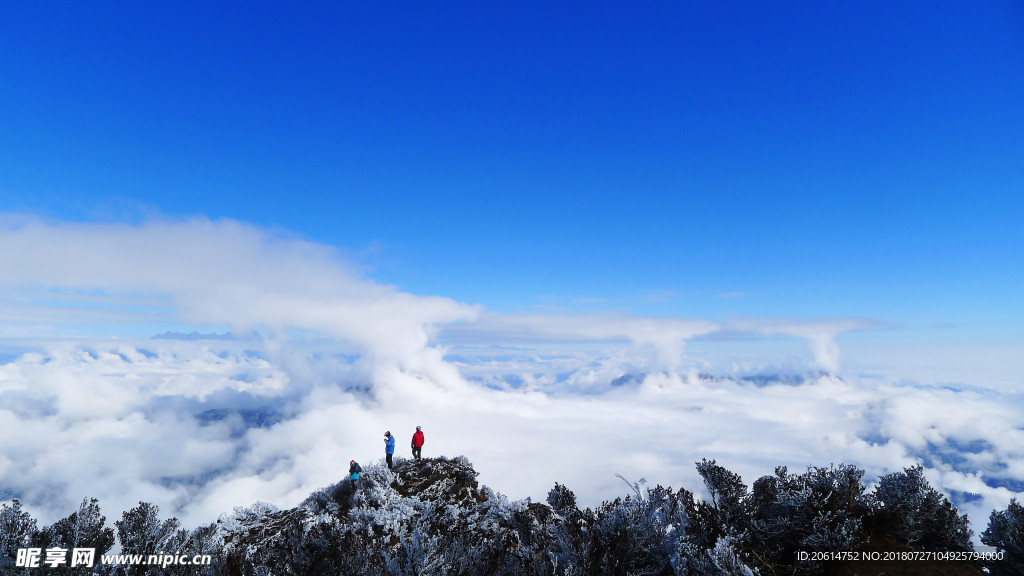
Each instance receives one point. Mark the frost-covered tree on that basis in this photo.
(1005, 532)
(17, 527)
(140, 531)
(85, 528)
(204, 540)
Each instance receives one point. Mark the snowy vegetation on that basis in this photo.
(433, 518)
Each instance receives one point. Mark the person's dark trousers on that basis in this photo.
(417, 452)
(389, 460)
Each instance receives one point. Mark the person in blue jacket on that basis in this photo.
(354, 469)
(389, 447)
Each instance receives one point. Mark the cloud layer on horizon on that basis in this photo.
(120, 423)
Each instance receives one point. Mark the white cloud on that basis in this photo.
(117, 419)
(819, 334)
(665, 336)
(224, 273)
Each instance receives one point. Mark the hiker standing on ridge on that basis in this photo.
(417, 444)
(354, 469)
(389, 447)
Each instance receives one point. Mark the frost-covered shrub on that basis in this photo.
(725, 514)
(570, 547)
(333, 499)
(1005, 532)
(562, 501)
(261, 539)
(911, 512)
(727, 492)
(713, 546)
(642, 534)
(378, 510)
(820, 510)
(494, 536)
(722, 560)
(431, 517)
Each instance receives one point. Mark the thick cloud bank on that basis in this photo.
(325, 361)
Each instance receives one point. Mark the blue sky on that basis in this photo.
(861, 159)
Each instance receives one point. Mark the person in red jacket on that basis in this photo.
(417, 444)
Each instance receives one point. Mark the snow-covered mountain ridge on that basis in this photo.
(433, 517)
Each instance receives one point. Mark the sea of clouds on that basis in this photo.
(321, 361)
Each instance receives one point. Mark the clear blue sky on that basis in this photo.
(820, 158)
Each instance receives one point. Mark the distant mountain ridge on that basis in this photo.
(193, 336)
